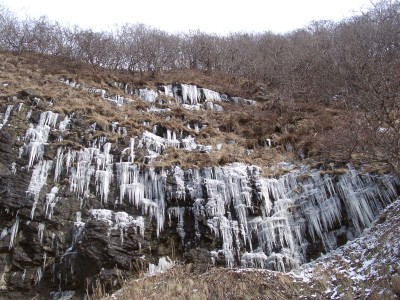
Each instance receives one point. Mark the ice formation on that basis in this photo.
(4, 117)
(257, 221)
(51, 201)
(37, 136)
(164, 263)
(145, 190)
(121, 130)
(267, 219)
(119, 221)
(38, 180)
(299, 203)
(41, 228)
(95, 160)
(178, 212)
(188, 96)
(116, 99)
(4, 233)
(14, 168)
(147, 95)
(64, 125)
(14, 232)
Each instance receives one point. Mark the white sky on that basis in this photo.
(211, 16)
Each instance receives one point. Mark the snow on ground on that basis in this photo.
(363, 267)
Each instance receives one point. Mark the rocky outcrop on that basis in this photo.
(186, 95)
(73, 216)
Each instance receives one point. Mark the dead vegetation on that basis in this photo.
(264, 134)
(181, 283)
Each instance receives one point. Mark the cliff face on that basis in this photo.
(83, 201)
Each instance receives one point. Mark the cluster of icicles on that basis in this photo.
(260, 222)
(186, 95)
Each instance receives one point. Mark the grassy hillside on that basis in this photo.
(297, 130)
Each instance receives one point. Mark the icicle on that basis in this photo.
(44, 259)
(103, 181)
(102, 214)
(221, 226)
(189, 94)
(189, 144)
(178, 212)
(58, 166)
(168, 90)
(114, 126)
(38, 180)
(154, 189)
(39, 275)
(78, 217)
(41, 228)
(132, 148)
(77, 232)
(38, 135)
(69, 158)
(123, 178)
(146, 191)
(92, 127)
(147, 95)
(14, 168)
(6, 116)
(359, 193)
(14, 232)
(81, 174)
(227, 197)
(209, 95)
(153, 142)
(180, 190)
(29, 114)
(48, 118)
(104, 160)
(64, 125)
(51, 201)
(123, 220)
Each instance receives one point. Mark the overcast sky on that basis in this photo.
(211, 16)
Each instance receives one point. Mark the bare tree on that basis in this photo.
(368, 48)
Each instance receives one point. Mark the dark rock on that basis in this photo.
(27, 93)
(199, 258)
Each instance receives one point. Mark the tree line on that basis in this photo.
(323, 61)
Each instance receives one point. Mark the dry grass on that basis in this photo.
(307, 130)
(396, 284)
(217, 283)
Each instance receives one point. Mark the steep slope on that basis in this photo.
(102, 177)
(367, 267)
